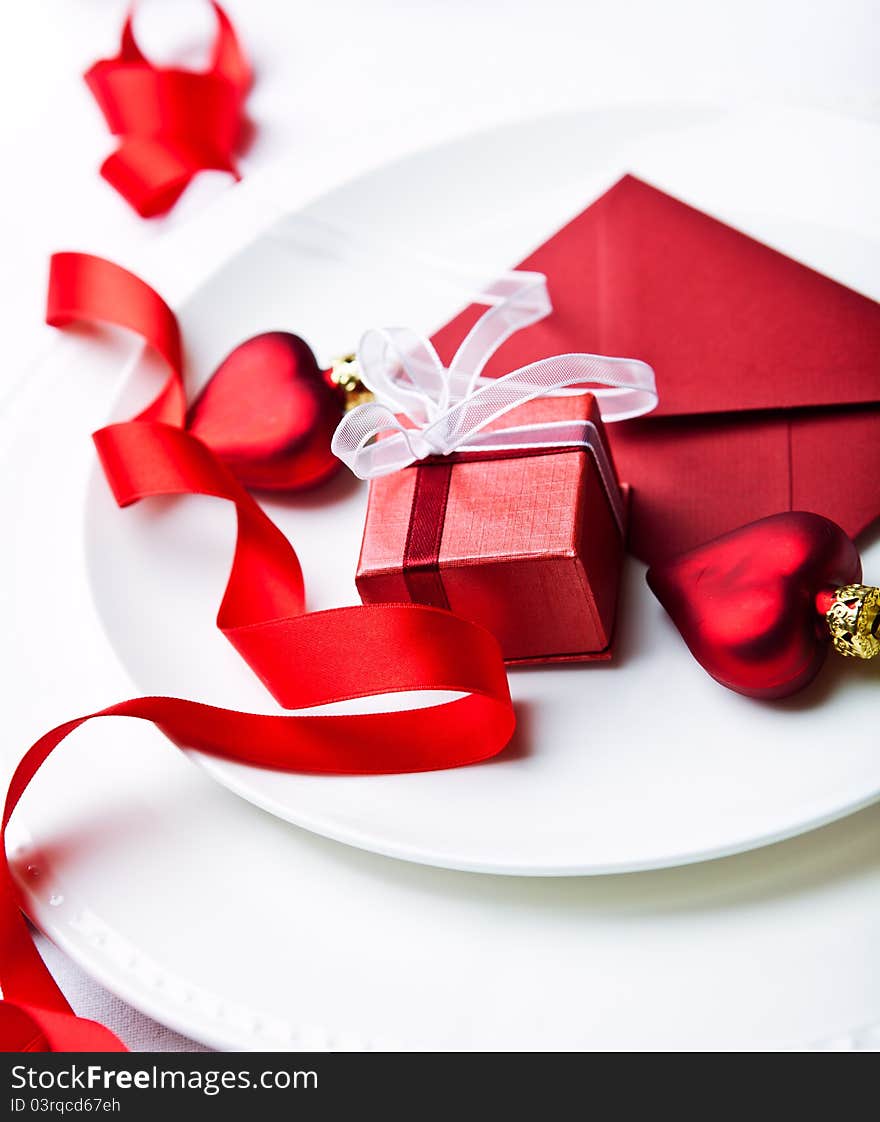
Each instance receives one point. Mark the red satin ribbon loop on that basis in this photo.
(173, 123)
(27, 1028)
(90, 289)
(304, 659)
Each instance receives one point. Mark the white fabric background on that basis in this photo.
(347, 84)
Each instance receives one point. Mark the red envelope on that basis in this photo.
(768, 372)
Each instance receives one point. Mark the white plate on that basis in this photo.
(637, 764)
(244, 932)
(608, 771)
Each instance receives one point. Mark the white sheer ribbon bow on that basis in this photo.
(449, 407)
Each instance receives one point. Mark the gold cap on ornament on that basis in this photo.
(345, 373)
(854, 620)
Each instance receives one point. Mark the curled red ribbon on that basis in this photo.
(172, 123)
(305, 659)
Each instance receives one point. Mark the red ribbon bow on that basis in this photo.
(304, 659)
(173, 123)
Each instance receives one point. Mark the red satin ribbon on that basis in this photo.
(305, 659)
(172, 123)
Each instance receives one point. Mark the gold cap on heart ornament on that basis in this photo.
(853, 619)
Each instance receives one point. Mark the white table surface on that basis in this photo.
(345, 85)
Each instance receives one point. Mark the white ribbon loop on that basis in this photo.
(447, 408)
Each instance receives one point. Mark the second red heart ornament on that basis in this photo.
(761, 606)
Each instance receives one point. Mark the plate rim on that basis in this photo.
(607, 869)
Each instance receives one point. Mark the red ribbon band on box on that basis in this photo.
(304, 659)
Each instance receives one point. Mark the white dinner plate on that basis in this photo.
(640, 763)
(242, 931)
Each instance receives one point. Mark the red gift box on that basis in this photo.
(527, 543)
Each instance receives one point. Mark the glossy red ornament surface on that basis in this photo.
(269, 412)
(745, 603)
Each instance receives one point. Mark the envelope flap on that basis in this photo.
(728, 323)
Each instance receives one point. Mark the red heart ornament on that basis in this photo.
(746, 602)
(269, 412)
